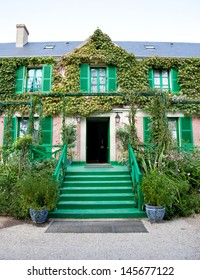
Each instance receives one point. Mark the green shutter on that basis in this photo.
(146, 122)
(47, 133)
(174, 79)
(186, 133)
(46, 78)
(151, 78)
(112, 78)
(13, 128)
(84, 77)
(19, 81)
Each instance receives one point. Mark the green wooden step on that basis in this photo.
(95, 172)
(90, 190)
(81, 178)
(95, 204)
(96, 183)
(97, 213)
(96, 196)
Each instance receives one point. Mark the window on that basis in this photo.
(164, 79)
(23, 128)
(98, 79)
(161, 79)
(173, 127)
(149, 47)
(33, 79)
(19, 128)
(181, 130)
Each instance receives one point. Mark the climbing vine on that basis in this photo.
(132, 79)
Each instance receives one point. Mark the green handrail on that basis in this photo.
(41, 153)
(136, 176)
(59, 173)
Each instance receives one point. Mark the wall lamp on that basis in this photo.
(78, 119)
(117, 118)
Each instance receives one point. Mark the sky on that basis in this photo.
(123, 20)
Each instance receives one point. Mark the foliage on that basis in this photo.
(69, 134)
(22, 147)
(172, 192)
(187, 163)
(8, 179)
(160, 136)
(132, 78)
(172, 181)
(13, 193)
(37, 190)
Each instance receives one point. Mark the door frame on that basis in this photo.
(99, 120)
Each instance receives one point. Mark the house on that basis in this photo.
(91, 85)
(101, 67)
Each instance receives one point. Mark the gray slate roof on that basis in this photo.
(162, 49)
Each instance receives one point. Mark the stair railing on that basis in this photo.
(41, 152)
(59, 173)
(136, 176)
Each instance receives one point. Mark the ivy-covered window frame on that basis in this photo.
(46, 131)
(182, 131)
(107, 82)
(23, 80)
(164, 79)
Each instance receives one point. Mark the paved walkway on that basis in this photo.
(170, 240)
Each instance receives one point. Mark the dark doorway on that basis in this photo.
(97, 140)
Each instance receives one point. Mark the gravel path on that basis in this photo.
(171, 240)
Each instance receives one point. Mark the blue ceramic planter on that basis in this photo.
(155, 213)
(38, 216)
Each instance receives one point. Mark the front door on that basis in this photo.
(97, 140)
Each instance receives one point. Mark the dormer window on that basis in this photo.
(49, 47)
(149, 47)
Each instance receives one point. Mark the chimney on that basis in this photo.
(22, 35)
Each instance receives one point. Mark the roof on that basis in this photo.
(139, 49)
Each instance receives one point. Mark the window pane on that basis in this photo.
(156, 81)
(94, 81)
(94, 88)
(102, 88)
(173, 128)
(102, 72)
(30, 84)
(31, 73)
(156, 74)
(102, 80)
(38, 73)
(23, 127)
(93, 72)
(165, 81)
(165, 74)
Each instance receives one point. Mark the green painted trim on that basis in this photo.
(81, 163)
(108, 144)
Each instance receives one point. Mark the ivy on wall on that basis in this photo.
(132, 78)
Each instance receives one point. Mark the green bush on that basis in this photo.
(37, 190)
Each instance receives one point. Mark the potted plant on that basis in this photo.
(160, 192)
(39, 194)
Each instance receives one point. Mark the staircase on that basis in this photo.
(97, 193)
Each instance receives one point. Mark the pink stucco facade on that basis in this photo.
(196, 130)
(139, 127)
(1, 129)
(57, 125)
